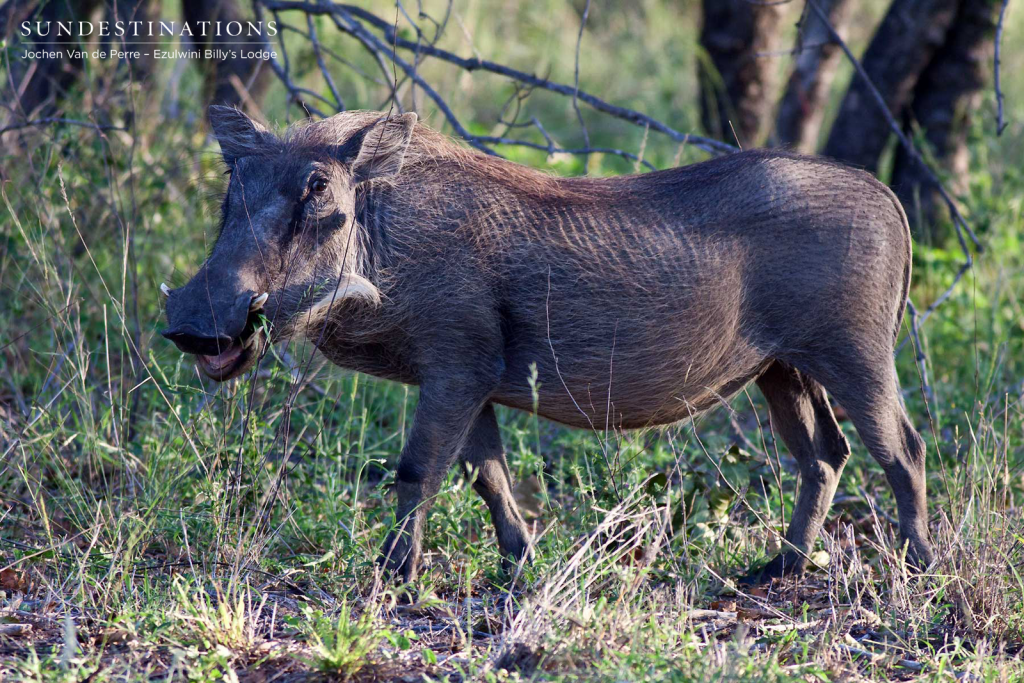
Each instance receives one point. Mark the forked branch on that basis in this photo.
(354, 21)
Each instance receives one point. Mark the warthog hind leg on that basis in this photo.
(875, 408)
(801, 415)
(865, 385)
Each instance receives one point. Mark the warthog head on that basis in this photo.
(288, 250)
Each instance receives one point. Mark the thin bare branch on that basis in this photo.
(334, 55)
(57, 120)
(282, 72)
(1000, 121)
(576, 84)
(311, 25)
(348, 24)
(550, 148)
(340, 12)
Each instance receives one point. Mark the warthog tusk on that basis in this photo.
(165, 289)
(258, 301)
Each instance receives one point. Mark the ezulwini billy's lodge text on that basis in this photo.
(156, 53)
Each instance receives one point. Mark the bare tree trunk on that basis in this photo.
(909, 35)
(35, 87)
(802, 108)
(737, 87)
(945, 96)
(235, 81)
(32, 87)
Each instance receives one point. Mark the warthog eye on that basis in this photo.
(318, 185)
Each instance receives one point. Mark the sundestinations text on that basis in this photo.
(134, 29)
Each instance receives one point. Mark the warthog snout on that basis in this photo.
(220, 331)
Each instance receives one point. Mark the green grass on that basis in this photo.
(157, 526)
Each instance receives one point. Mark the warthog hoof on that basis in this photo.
(781, 566)
(400, 557)
(517, 558)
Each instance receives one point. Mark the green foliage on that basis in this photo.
(342, 645)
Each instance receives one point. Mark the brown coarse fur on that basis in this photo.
(639, 300)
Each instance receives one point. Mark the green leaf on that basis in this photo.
(327, 557)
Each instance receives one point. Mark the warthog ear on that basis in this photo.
(378, 150)
(237, 134)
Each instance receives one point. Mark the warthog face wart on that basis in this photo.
(287, 252)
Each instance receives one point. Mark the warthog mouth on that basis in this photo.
(222, 358)
(235, 359)
(242, 351)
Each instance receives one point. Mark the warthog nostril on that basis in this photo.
(165, 289)
(258, 301)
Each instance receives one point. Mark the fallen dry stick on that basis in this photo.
(10, 630)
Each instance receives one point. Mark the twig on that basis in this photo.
(52, 120)
(709, 145)
(919, 355)
(876, 658)
(550, 148)
(696, 614)
(328, 51)
(355, 28)
(10, 630)
(311, 25)
(1000, 122)
(576, 85)
(282, 71)
(964, 267)
(792, 51)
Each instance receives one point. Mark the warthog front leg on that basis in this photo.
(484, 460)
(447, 411)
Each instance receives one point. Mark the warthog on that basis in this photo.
(641, 300)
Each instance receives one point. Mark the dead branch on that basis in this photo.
(311, 25)
(348, 19)
(57, 120)
(576, 83)
(282, 72)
